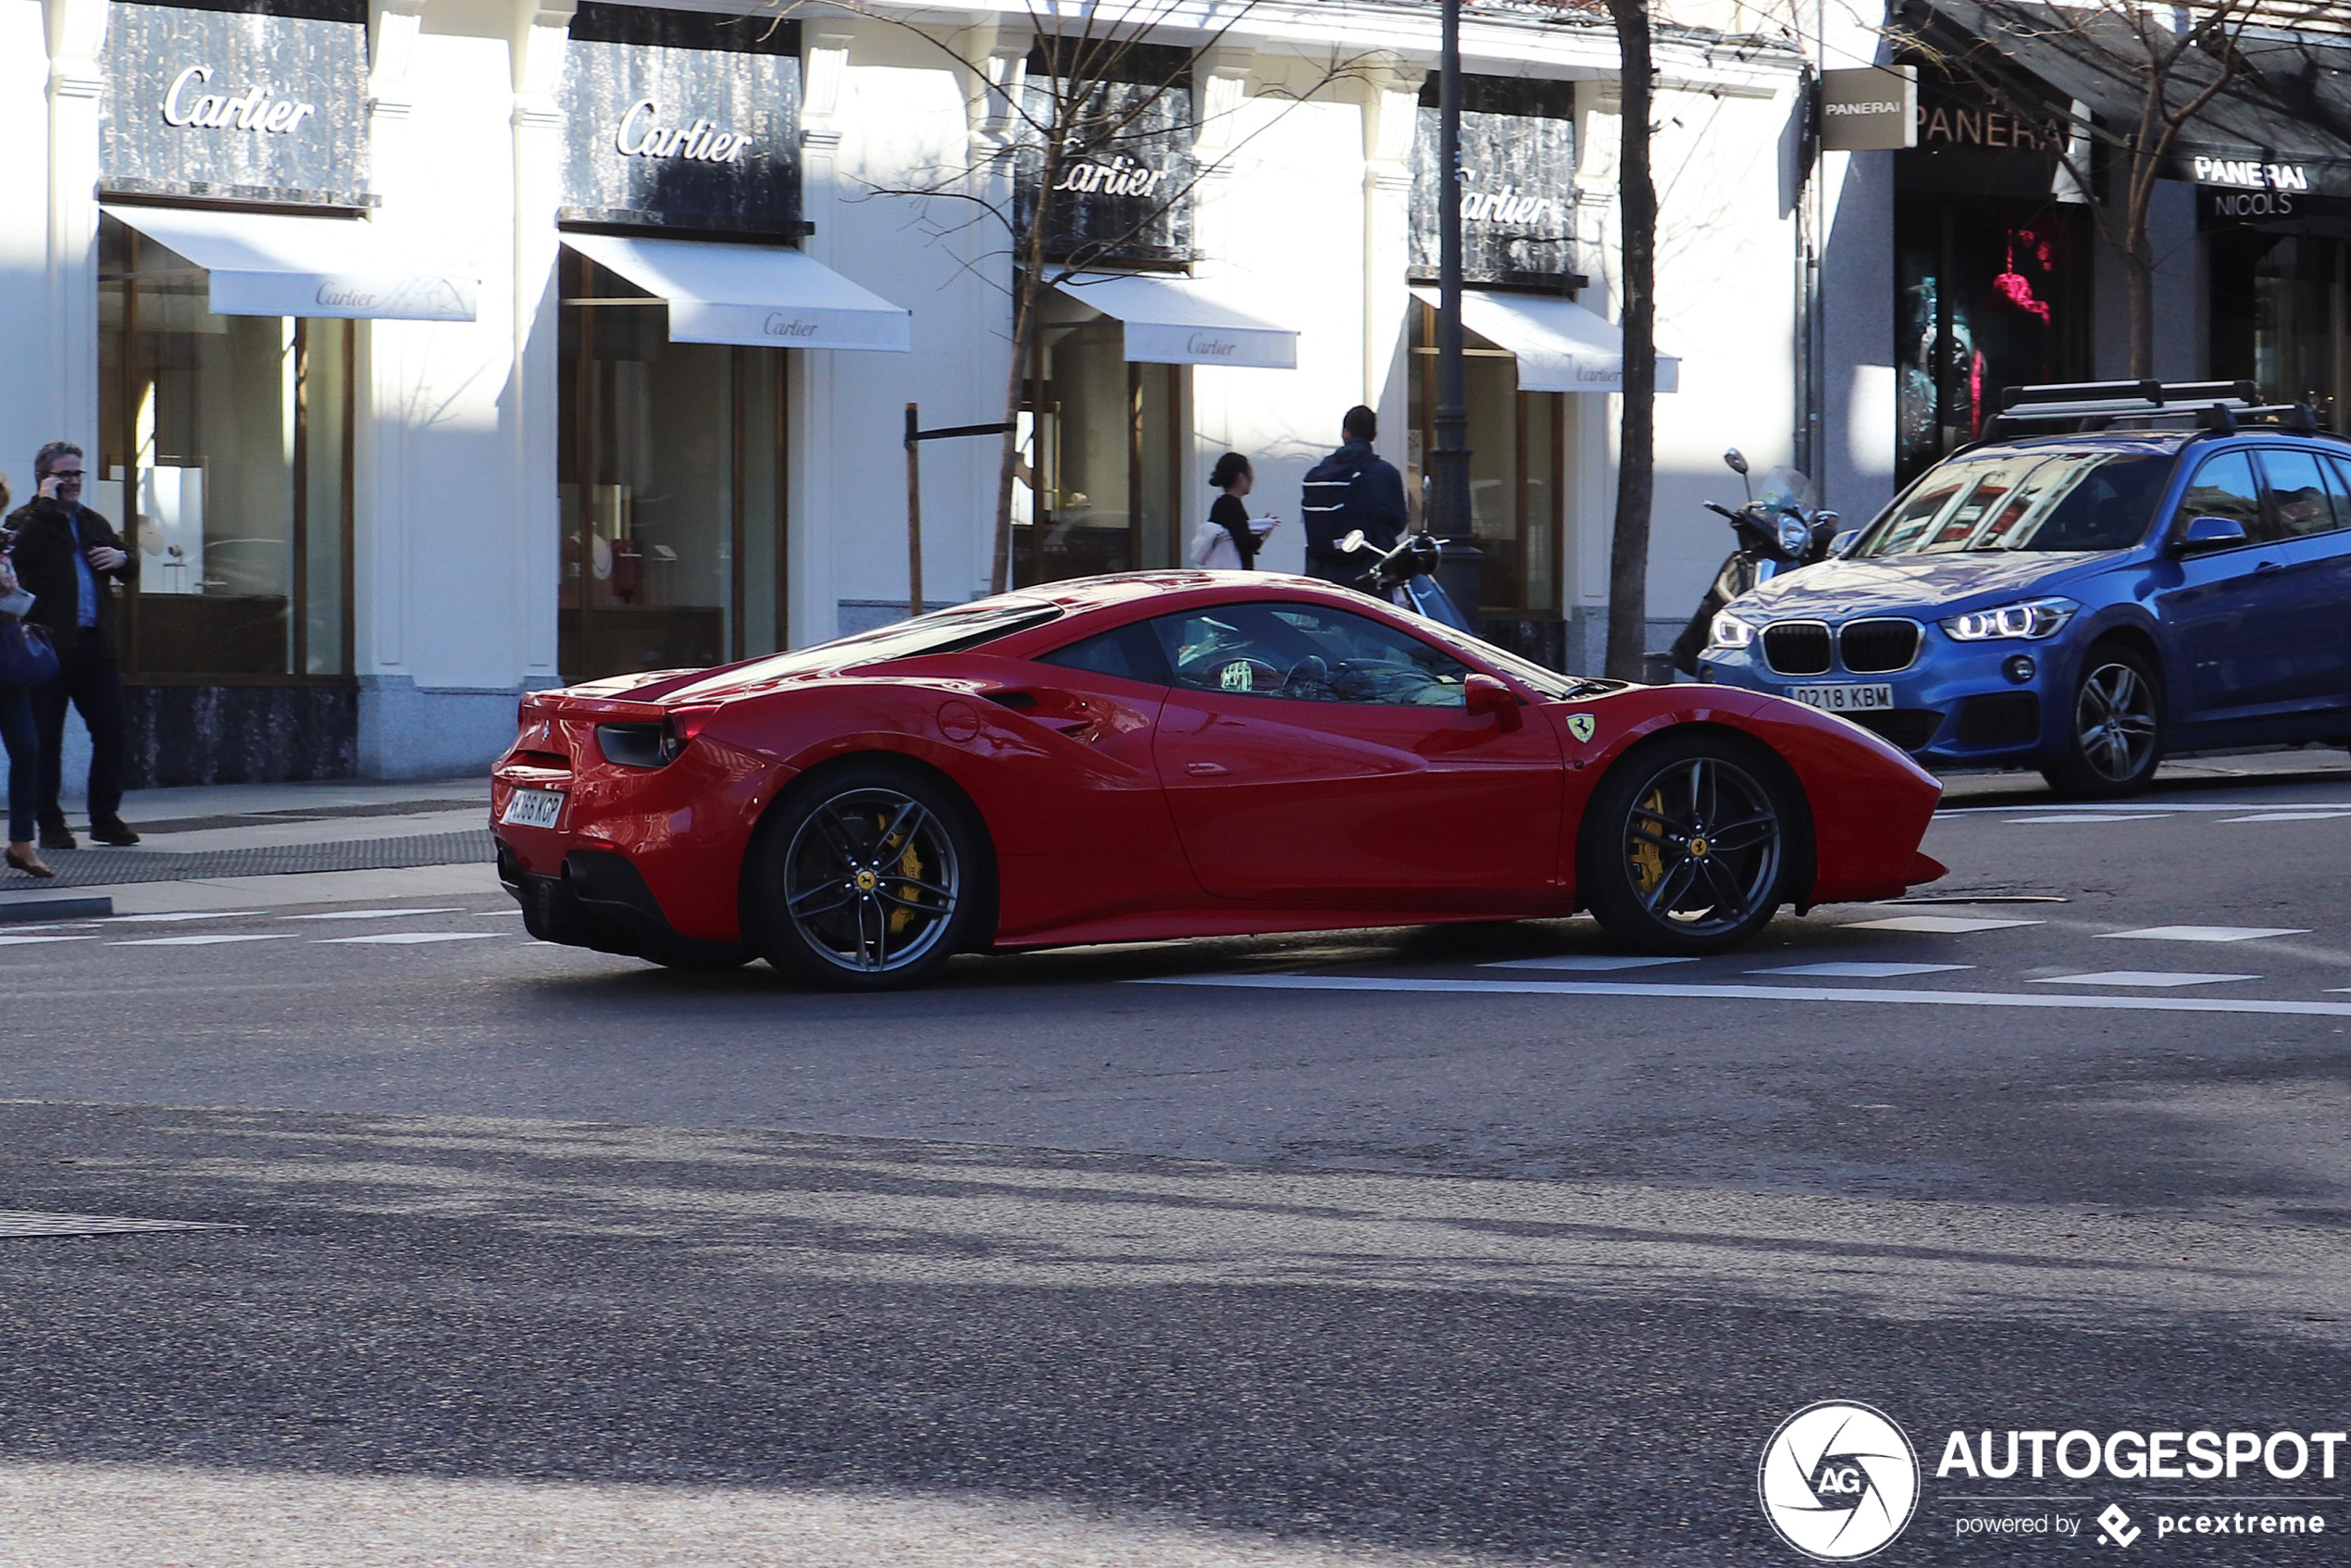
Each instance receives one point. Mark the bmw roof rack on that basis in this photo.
(2222, 408)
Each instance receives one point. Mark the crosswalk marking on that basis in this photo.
(2141, 977)
(209, 939)
(1946, 925)
(2290, 817)
(409, 937)
(376, 914)
(2204, 933)
(13, 941)
(194, 914)
(1858, 969)
(1597, 962)
(2088, 816)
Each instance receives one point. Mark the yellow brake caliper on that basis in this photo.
(1649, 865)
(910, 864)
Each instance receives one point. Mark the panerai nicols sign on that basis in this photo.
(682, 121)
(232, 106)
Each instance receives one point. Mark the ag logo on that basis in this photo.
(1838, 1481)
(1581, 726)
(1236, 676)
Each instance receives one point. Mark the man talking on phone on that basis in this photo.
(70, 559)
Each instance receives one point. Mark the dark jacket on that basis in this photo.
(45, 551)
(1353, 488)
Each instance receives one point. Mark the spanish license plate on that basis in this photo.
(533, 808)
(1843, 699)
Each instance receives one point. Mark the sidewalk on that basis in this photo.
(222, 845)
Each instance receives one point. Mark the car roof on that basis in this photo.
(2152, 443)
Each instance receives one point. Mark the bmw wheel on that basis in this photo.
(868, 880)
(2114, 740)
(1686, 845)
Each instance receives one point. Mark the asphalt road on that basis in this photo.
(1366, 1249)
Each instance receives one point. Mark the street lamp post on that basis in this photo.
(1449, 501)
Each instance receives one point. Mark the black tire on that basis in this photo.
(869, 877)
(2114, 727)
(1687, 845)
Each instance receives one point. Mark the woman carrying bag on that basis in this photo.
(26, 661)
(1229, 541)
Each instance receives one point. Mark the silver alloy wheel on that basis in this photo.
(1703, 844)
(872, 881)
(2114, 721)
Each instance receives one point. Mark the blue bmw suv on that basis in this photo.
(2084, 600)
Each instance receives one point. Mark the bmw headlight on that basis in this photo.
(2031, 619)
(1729, 632)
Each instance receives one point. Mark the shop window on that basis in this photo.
(1517, 471)
(2278, 316)
(672, 459)
(227, 460)
(1990, 295)
(1101, 448)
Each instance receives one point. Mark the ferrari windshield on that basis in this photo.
(942, 631)
(2043, 501)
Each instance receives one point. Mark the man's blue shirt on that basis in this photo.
(86, 580)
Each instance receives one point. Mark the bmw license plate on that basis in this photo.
(1843, 699)
(533, 808)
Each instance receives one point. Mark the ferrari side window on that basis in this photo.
(1308, 654)
(1130, 652)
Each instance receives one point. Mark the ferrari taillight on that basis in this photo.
(680, 727)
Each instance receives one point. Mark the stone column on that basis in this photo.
(542, 28)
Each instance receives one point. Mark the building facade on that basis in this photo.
(437, 351)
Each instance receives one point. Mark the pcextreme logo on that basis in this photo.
(1838, 1481)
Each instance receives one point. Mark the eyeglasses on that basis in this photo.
(65, 473)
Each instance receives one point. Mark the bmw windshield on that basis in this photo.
(2048, 501)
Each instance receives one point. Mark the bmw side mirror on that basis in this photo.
(2206, 534)
(1483, 695)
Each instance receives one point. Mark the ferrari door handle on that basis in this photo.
(1206, 769)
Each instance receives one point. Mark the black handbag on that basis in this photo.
(27, 658)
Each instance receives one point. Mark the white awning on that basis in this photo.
(1175, 321)
(271, 264)
(769, 296)
(1560, 346)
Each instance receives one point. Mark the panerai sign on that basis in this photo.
(232, 104)
(1870, 110)
(682, 119)
(2248, 175)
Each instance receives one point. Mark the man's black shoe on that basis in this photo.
(114, 832)
(60, 838)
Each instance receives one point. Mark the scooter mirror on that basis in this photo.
(1353, 542)
(1736, 459)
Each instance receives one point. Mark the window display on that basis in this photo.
(672, 488)
(1102, 446)
(1517, 471)
(226, 444)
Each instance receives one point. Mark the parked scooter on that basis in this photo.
(1777, 531)
(1406, 578)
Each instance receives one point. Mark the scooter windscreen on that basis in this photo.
(1784, 487)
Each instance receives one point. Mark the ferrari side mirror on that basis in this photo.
(1483, 695)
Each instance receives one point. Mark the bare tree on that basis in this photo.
(1097, 124)
(2159, 68)
(1637, 456)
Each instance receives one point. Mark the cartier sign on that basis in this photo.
(230, 105)
(1518, 181)
(681, 121)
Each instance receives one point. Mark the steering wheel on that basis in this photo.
(1246, 675)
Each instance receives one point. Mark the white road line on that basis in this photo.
(376, 914)
(1946, 925)
(2290, 817)
(2165, 806)
(193, 915)
(2141, 977)
(1695, 992)
(13, 941)
(1861, 970)
(412, 938)
(2087, 817)
(2203, 933)
(210, 939)
(1589, 963)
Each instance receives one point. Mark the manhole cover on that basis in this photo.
(16, 1224)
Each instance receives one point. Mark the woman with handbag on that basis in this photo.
(26, 661)
(1229, 540)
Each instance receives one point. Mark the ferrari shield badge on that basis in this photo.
(1581, 726)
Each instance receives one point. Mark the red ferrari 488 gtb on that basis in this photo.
(1162, 754)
